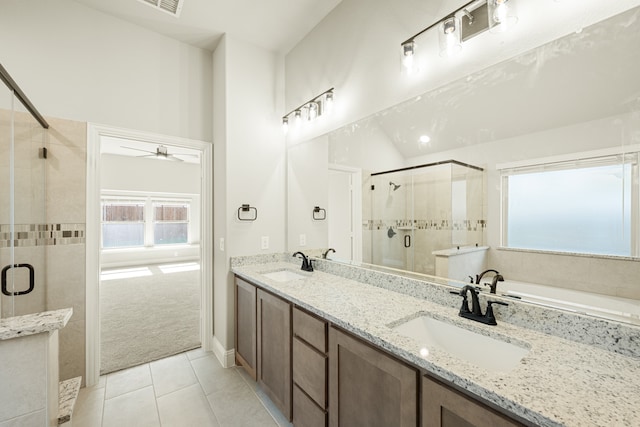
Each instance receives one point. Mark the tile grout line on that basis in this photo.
(202, 388)
(251, 387)
(155, 396)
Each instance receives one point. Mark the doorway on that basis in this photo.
(345, 206)
(149, 221)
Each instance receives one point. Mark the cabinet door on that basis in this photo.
(368, 387)
(445, 407)
(246, 326)
(274, 350)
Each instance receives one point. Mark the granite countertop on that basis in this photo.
(558, 383)
(31, 324)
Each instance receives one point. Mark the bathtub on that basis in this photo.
(609, 307)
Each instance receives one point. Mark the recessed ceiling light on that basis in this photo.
(425, 139)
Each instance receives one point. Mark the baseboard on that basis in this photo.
(226, 357)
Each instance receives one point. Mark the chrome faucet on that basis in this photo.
(327, 252)
(475, 313)
(306, 262)
(494, 282)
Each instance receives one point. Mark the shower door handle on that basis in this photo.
(407, 241)
(31, 279)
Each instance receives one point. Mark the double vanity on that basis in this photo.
(348, 346)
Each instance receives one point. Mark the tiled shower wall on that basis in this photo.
(66, 173)
(50, 237)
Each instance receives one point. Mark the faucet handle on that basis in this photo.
(496, 302)
(491, 319)
(464, 308)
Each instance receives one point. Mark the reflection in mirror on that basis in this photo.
(419, 210)
(562, 104)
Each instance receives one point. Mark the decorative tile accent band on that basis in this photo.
(26, 235)
(425, 224)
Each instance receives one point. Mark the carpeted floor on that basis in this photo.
(147, 313)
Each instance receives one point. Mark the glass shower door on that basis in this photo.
(392, 220)
(22, 210)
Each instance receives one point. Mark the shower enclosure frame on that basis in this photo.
(35, 235)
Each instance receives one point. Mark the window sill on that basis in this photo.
(124, 257)
(571, 254)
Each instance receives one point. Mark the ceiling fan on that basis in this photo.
(161, 152)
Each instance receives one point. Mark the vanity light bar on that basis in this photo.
(311, 109)
(500, 16)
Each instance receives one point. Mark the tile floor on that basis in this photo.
(189, 389)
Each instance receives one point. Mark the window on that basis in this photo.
(170, 223)
(122, 224)
(144, 222)
(587, 206)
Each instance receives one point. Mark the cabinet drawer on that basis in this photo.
(310, 329)
(305, 412)
(310, 371)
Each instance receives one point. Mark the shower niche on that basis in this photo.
(416, 211)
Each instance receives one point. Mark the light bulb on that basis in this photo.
(313, 110)
(328, 102)
(450, 37)
(285, 125)
(408, 52)
(502, 15)
(298, 117)
(424, 139)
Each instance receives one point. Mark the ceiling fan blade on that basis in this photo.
(138, 149)
(186, 154)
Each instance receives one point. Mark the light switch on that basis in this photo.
(222, 244)
(265, 242)
(303, 240)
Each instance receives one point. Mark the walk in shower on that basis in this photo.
(421, 209)
(23, 229)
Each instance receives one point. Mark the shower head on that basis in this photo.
(395, 186)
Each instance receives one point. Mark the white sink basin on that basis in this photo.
(483, 351)
(284, 275)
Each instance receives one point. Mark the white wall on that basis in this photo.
(77, 63)
(148, 175)
(356, 49)
(307, 180)
(249, 165)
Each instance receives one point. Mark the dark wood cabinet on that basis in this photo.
(245, 336)
(319, 375)
(368, 387)
(274, 349)
(443, 406)
(310, 364)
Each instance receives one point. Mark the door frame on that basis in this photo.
(94, 134)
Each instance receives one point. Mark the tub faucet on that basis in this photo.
(494, 283)
(306, 262)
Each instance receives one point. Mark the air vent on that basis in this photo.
(172, 7)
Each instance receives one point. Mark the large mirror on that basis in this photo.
(452, 182)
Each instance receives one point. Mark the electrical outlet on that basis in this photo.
(265, 242)
(222, 244)
(303, 240)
